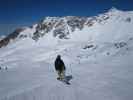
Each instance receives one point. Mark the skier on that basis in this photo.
(60, 68)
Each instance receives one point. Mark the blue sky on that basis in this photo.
(17, 13)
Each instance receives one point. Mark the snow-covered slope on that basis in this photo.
(97, 52)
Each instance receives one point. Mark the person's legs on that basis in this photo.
(59, 74)
(62, 74)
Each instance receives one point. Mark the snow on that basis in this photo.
(101, 72)
(29, 31)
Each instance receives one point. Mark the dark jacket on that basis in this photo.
(59, 64)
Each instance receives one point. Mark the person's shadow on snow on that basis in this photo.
(68, 78)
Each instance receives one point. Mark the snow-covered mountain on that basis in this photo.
(71, 27)
(97, 52)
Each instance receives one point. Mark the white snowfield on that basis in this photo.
(99, 58)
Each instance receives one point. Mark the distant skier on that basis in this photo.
(60, 68)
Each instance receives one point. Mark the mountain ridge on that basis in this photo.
(62, 27)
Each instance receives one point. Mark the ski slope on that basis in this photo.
(100, 63)
(95, 77)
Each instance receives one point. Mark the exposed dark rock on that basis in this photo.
(88, 46)
(120, 44)
(128, 19)
(11, 36)
(131, 38)
(76, 22)
(108, 53)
